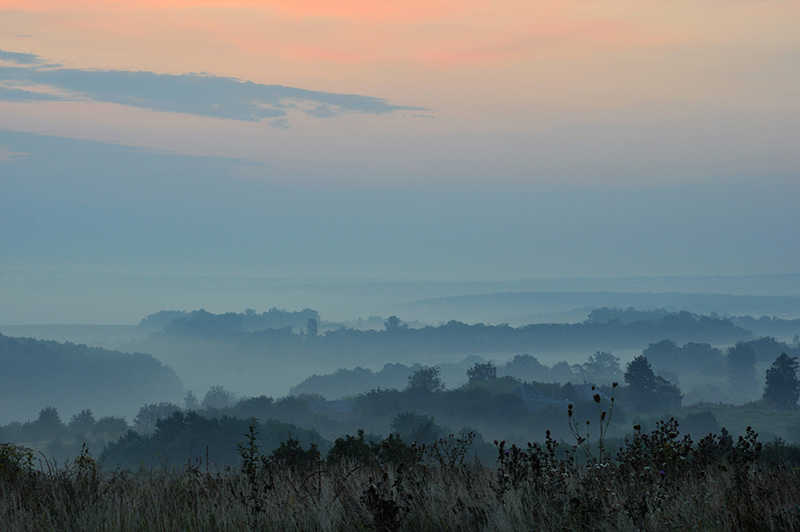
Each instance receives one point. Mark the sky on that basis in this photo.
(434, 140)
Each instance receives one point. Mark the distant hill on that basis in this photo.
(203, 322)
(521, 308)
(35, 374)
(270, 360)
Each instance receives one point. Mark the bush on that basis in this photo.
(292, 455)
(350, 448)
(15, 461)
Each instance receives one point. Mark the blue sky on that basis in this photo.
(80, 205)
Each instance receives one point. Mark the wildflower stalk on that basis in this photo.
(605, 420)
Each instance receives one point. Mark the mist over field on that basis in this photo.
(269, 352)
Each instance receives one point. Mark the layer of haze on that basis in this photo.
(359, 141)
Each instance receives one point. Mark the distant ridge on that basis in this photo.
(516, 308)
(35, 374)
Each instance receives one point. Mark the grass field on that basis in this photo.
(656, 482)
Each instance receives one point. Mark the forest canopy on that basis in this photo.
(37, 373)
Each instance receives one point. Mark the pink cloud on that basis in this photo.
(376, 11)
(438, 33)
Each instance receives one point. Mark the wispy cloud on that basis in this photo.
(20, 58)
(195, 94)
(11, 94)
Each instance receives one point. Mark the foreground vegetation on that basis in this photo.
(656, 480)
(181, 468)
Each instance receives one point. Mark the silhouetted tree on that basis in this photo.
(48, 425)
(642, 383)
(393, 323)
(525, 367)
(426, 380)
(702, 357)
(82, 423)
(663, 354)
(291, 453)
(111, 427)
(782, 387)
(350, 448)
(312, 329)
(482, 372)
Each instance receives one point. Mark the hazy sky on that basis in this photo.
(422, 139)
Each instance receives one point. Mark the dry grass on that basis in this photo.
(656, 484)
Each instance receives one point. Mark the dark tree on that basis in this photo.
(664, 354)
(82, 423)
(48, 425)
(111, 427)
(426, 380)
(393, 323)
(482, 372)
(782, 387)
(291, 453)
(525, 368)
(312, 328)
(350, 448)
(703, 357)
(642, 383)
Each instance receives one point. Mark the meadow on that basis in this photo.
(654, 481)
